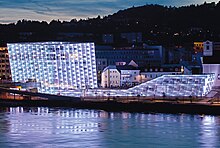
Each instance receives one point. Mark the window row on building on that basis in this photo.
(129, 75)
(56, 66)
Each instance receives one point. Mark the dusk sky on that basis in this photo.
(14, 10)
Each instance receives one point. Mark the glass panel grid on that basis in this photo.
(56, 66)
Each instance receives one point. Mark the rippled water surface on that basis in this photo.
(58, 127)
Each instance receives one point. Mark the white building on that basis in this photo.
(129, 75)
(207, 48)
(56, 66)
(120, 76)
(110, 77)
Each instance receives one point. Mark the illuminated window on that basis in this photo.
(52, 69)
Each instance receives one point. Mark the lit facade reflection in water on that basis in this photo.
(208, 131)
(58, 119)
(66, 127)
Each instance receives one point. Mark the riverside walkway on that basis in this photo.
(9, 94)
(186, 105)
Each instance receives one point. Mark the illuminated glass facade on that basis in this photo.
(166, 85)
(176, 85)
(55, 66)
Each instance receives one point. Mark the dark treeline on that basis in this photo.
(161, 24)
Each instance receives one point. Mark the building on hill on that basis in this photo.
(198, 47)
(132, 37)
(107, 55)
(152, 55)
(147, 56)
(216, 46)
(108, 38)
(203, 48)
(177, 54)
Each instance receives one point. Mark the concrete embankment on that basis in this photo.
(113, 106)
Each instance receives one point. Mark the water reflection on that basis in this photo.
(209, 135)
(64, 127)
(53, 121)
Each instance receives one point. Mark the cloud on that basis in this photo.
(13, 10)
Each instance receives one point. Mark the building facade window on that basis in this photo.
(207, 48)
(56, 66)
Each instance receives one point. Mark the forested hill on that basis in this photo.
(206, 16)
(159, 23)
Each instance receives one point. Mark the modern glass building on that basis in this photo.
(55, 66)
(175, 85)
(166, 85)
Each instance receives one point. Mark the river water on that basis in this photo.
(67, 127)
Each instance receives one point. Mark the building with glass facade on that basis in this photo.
(56, 67)
(166, 85)
(175, 85)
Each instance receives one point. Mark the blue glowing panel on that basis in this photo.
(56, 66)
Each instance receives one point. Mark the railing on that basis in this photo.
(24, 95)
(6, 93)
